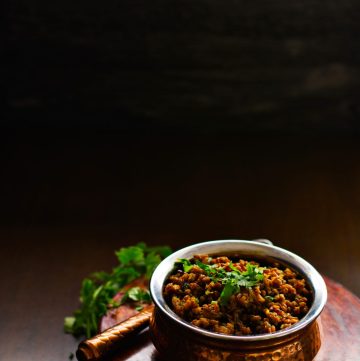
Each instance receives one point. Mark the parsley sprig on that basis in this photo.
(98, 290)
(232, 281)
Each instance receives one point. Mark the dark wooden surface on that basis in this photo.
(184, 64)
(68, 201)
(340, 331)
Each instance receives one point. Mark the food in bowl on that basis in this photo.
(235, 295)
(171, 332)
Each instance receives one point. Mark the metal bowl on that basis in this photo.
(177, 339)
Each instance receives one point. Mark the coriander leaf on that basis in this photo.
(69, 324)
(232, 281)
(187, 265)
(151, 261)
(142, 245)
(210, 271)
(229, 289)
(253, 273)
(131, 255)
(87, 289)
(123, 275)
(98, 290)
(101, 276)
(205, 267)
(236, 279)
(136, 294)
(114, 304)
(216, 274)
(233, 268)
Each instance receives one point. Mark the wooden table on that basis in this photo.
(68, 202)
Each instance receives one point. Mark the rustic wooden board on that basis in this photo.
(340, 322)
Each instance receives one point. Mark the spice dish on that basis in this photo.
(234, 296)
(211, 327)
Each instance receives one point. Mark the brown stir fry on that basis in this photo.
(236, 296)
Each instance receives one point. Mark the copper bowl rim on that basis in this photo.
(246, 247)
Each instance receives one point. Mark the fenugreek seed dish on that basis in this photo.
(237, 296)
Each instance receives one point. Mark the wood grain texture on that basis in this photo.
(340, 325)
(284, 66)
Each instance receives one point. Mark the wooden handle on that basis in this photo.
(111, 339)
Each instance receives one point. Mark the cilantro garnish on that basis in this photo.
(137, 294)
(212, 271)
(187, 265)
(98, 290)
(236, 279)
(232, 280)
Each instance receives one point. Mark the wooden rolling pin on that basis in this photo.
(110, 340)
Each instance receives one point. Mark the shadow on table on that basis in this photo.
(139, 348)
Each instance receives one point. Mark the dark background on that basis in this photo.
(202, 65)
(170, 123)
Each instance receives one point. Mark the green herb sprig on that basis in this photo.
(232, 281)
(136, 294)
(98, 290)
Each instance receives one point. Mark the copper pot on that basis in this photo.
(176, 339)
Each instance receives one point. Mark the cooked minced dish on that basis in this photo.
(235, 296)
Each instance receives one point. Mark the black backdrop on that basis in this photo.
(201, 65)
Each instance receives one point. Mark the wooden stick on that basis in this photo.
(110, 340)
